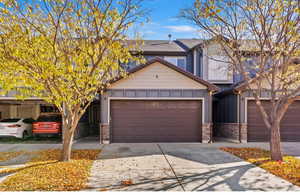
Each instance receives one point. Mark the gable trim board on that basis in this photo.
(185, 89)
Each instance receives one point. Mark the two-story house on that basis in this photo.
(168, 99)
(158, 103)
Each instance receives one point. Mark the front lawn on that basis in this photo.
(45, 173)
(288, 169)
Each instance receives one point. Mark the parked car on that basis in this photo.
(16, 127)
(47, 125)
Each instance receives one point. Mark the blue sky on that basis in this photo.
(164, 20)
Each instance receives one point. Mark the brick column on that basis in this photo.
(243, 127)
(105, 133)
(206, 132)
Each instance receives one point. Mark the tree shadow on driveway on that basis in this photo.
(197, 153)
(223, 179)
(188, 167)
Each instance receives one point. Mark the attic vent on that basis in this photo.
(170, 36)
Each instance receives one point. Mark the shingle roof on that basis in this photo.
(182, 45)
(179, 45)
(190, 43)
(158, 46)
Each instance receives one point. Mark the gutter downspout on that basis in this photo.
(211, 116)
(195, 61)
(238, 115)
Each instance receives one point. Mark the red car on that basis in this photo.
(47, 125)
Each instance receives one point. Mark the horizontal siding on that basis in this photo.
(157, 76)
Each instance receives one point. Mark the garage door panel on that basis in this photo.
(290, 124)
(156, 120)
(143, 139)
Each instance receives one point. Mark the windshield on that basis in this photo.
(54, 118)
(10, 120)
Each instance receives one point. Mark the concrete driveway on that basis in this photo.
(178, 167)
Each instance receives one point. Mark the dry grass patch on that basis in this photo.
(45, 173)
(288, 169)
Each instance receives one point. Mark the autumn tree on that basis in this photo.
(64, 51)
(266, 32)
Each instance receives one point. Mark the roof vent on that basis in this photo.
(170, 36)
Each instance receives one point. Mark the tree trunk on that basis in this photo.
(275, 142)
(67, 144)
(68, 128)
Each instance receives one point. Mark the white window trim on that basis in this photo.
(177, 57)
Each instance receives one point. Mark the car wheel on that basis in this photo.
(35, 136)
(25, 134)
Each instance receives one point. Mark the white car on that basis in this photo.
(16, 127)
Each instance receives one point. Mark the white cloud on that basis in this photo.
(152, 23)
(182, 28)
(149, 32)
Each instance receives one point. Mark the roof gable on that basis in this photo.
(160, 74)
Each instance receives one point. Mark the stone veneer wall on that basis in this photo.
(207, 132)
(231, 131)
(104, 133)
(243, 132)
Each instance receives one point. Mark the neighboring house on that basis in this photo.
(11, 107)
(239, 119)
(236, 116)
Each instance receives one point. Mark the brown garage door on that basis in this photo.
(156, 121)
(290, 124)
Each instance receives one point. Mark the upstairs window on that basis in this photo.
(178, 61)
(218, 69)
